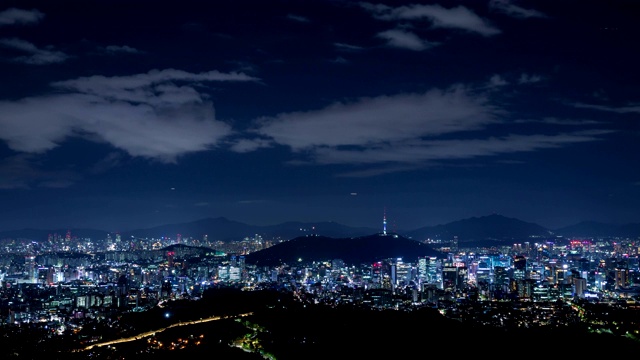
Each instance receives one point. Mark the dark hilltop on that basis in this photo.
(356, 250)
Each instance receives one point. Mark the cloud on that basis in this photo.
(529, 79)
(424, 151)
(158, 115)
(297, 18)
(402, 132)
(116, 49)
(371, 121)
(36, 56)
(14, 16)
(497, 81)
(405, 40)
(458, 17)
(107, 163)
(562, 122)
(249, 145)
(507, 7)
(348, 47)
(376, 171)
(339, 60)
(18, 172)
(620, 110)
(156, 86)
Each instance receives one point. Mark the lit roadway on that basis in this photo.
(153, 332)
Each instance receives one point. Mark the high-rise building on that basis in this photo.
(403, 273)
(450, 277)
(519, 267)
(520, 263)
(376, 274)
(434, 275)
(423, 274)
(235, 273)
(31, 270)
(622, 278)
(500, 276)
(579, 286)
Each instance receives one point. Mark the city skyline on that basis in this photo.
(127, 115)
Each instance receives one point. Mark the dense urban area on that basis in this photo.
(79, 288)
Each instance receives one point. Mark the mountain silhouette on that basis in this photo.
(356, 250)
(224, 229)
(491, 227)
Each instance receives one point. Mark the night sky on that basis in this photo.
(119, 115)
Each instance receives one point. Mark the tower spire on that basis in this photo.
(384, 222)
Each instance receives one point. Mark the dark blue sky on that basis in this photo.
(128, 114)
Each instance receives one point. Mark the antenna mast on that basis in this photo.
(384, 222)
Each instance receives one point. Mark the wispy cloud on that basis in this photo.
(424, 151)
(529, 78)
(497, 81)
(14, 16)
(348, 47)
(36, 56)
(297, 18)
(405, 40)
(378, 170)
(120, 49)
(630, 109)
(249, 145)
(107, 163)
(562, 122)
(508, 7)
(154, 87)
(458, 17)
(339, 60)
(159, 114)
(381, 119)
(401, 132)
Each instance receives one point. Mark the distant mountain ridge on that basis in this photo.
(219, 228)
(492, 227)
(228, 230)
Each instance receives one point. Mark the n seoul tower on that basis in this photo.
(384, 222)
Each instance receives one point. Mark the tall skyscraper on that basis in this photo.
(450, 277)
(423, 266)
(519, 267)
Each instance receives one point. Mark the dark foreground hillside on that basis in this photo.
(343, 333)
(278, 327)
